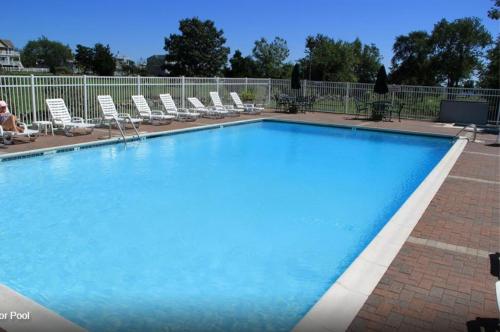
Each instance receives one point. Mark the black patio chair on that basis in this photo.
(397, 108)
(361, 108)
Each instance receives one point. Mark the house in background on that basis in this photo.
(9, 56)
(124, 66)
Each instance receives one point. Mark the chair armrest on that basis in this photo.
(156, 112)
(77, 119)
(228, 106)
(23, 125)
(57, 122)
(123, 115)
(1, 131)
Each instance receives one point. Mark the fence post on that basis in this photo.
(33, 98)
(269, 92)
(498, 116)
(85, 98)
(348, 86)
(304, 91)
(183, 91)
(246, 84)
(138, 84)
(217, 83)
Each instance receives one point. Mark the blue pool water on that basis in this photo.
(239, 228)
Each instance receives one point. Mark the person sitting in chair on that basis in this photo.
(7, 120)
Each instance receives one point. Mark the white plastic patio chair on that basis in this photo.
(145, 112)
(9, 136)
(231, 111)
(181, 114)
(111, 116)
(62, 119)
(205, 111)
(247, 108)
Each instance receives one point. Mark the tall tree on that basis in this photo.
(84, 57)
(494, 12)
(338, 60)
(241, 66)
(411, 63)
(104, 62)
(490, 76)
(155, 65)
(46, 53)
(368, 61)
(458, 48)
(197, 51)
(270, 57)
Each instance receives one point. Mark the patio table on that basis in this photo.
(380, 109)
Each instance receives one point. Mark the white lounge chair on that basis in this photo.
(9, 136)
(247, 108)
(206, 111)
(111, 116)
(62, 119)
(181, 114)
(231, 111)
(145, 112)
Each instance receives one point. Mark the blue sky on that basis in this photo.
(137, 28)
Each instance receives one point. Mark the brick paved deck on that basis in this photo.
(441, 279)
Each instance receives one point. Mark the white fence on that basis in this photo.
(26, 94)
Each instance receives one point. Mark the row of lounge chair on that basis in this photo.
(62, 119)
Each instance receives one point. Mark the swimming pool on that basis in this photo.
(238, 228)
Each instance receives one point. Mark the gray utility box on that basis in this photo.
(464, 112)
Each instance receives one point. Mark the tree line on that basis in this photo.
(457, 53)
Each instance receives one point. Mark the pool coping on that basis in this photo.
(336, 309)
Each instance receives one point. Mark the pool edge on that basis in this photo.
(41, 318)
(339, 305)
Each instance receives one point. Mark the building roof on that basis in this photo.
(6, 43)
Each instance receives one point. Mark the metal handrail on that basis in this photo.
(120, 129)
(133, 126)
(464, 128)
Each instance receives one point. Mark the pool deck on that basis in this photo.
(443, 278)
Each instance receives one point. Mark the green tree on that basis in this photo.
(104, 62)
(411, 63)
(270, 57)
(490, 74)
(241, 66)
(46, 53)
(368, 61)
(197, 51)
(84, 57)
(155, 65)
(341, 61)
(458, 47)
(494, 12)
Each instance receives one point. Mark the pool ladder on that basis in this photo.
(474, 127)
(121, 130)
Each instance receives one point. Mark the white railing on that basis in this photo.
(23, 69)
(26, 94)
(9, 52)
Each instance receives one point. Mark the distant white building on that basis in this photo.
(9, 56)
(123, 65)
